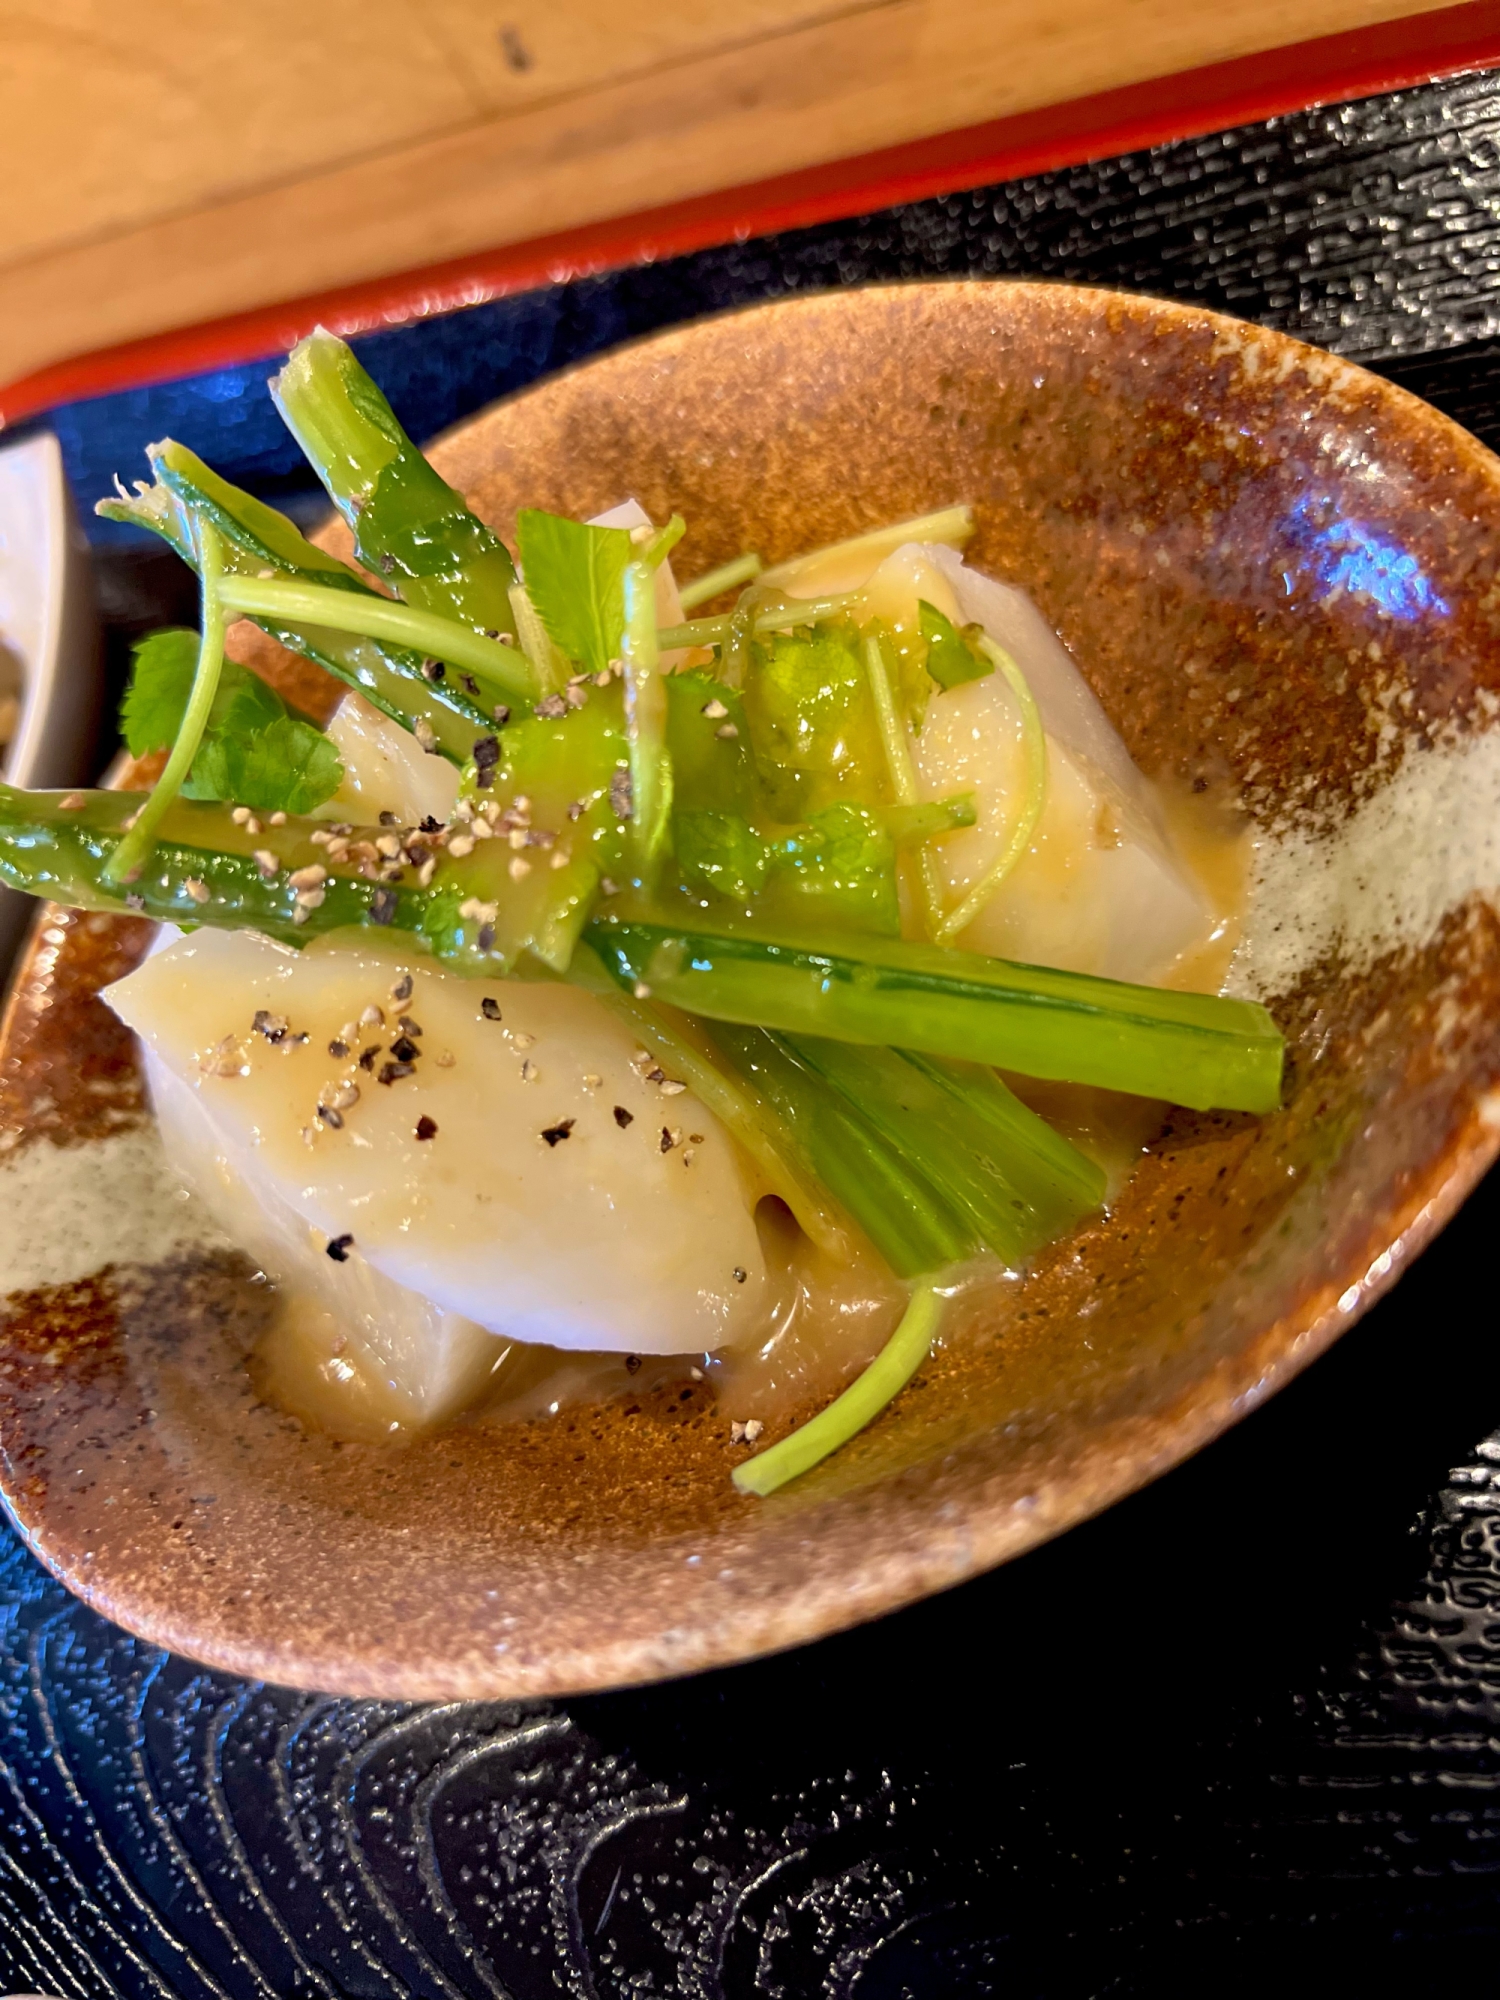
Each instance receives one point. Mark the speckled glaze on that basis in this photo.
(1158, 478)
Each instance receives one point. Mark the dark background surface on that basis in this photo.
(1244, 1729)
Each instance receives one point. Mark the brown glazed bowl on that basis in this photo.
(1280, 575)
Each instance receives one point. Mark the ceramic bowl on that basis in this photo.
(1280, 575)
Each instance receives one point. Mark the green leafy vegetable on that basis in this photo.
(575, 577)
(953, 651)
(253, 751)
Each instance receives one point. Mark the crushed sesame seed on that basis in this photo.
(320, 836)
(475, 910)
(460, 845)
(575, 696)
(516, 835)
(696, 1374)
(521, 1040)
(592, 1082)
(310, 899)
(339, 1248)
(464, 809)
(620, 796)
(389, 844)
(641, 990)
(753, 1430)
(134, 901)
(392, 1072)
(301, 914)
(426, 871)
(340, 1095)
(736, 1431)
(444, 1059)
(670, 1087)
(603, 678)
(552, 1133)
(383, 906)
(277, 819)
(714, 710)
(608, 887)
(226, 1058)
(338, 1048)
(529, 1071)
(641, 1061)
(426, 735)
(426, 1127)
(642, 533)
(623, 1117)
(372, 1016)
(726, 732)
(490, 1008)
(242, 813)
(310, 877)
(501, 714)
(738, 1275)
(331, 1117)
(551, 708)
(482, 829)
(199, 891)
(519, 866)
(577, 809)
(252, 825)
(268, 863)
(74, 802)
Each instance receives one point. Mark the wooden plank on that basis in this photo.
(805, 91)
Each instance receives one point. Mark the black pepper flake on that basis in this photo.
(623, 1117)
(339, 1248)
(367, 1056)
(431, 825)
(270, 1025)
(426, 1127)
(490, 1008)
(471, 686)
(632, 1364)
(667, 1141)
(390, 819)
(486, 938)
(739, 1275)
(338, 1048)
(620, 797)
(486, 758)
(383, 906)
(404, 1049)
(392, 1072)
(331, 1117)
(501, 713)
(433, 670)
(402, 990)
(386, 563)
(559, 1131)
(406, 1024)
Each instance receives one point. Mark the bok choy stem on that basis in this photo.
(864, 1399)
(900, 769)
(645, 722)
(128, 859)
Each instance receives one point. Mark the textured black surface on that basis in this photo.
(1244, 1729)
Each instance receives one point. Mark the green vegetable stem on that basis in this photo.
(410, 526)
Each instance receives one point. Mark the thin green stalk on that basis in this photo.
(1034, 744)
(713, 582)
(901, 772)
(696, 632)
(739, 1108)
(128, 859)
(645, 722)
(952, 525)
(714, 631)
(379, 618)
(864, 1399)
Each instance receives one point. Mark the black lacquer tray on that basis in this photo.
(1245, 1728)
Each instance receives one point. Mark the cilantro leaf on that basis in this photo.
(953, 653)
(161, 678)
(575, 576)
(254, 752)
(287, 766)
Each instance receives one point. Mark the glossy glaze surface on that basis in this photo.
(1176, 493)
